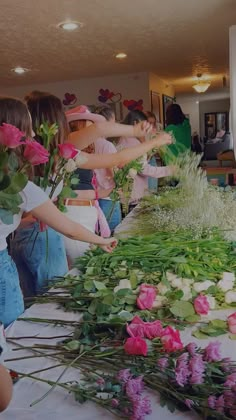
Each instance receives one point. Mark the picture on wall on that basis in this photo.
(156, 105)
(166, 101)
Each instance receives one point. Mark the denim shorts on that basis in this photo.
(39, 257)
(112, 212)
(11, 298)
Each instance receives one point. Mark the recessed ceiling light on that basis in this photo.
(121, 55)
(197, 102)
(70, 26)
(19, 70)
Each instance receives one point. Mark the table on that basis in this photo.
(59, 405)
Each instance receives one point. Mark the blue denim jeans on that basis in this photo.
(113, 214)
(39, 257)
(11, 298)
(152, 182)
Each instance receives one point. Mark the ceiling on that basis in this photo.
(175, 39)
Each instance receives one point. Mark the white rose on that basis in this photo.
(202, 285)
(70, 166)
(229, 276)
(170, 276)
(177, 283)
(159, 302)
(187, 293)
(132, 173)
(187, 282)
(104, 395)
(230, 297)
(162, 288)
(211, 301)
(80, 159)
(123, 284)
(225, 285)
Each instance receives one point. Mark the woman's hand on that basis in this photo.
(109, 244)
(142, 129)
(163, 139)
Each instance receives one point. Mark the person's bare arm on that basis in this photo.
(93, 161)
(49, 214)
(5, 388)
(84, 137)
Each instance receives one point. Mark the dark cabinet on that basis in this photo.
(214, 122)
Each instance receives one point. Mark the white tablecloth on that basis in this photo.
(59, 405)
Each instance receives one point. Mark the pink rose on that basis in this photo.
(67, 151)
(136, 346)
(171, 340)
(146, 297)
(232, 323)
(139, 328)
(35, 153)
(11, 136)
(201, 305)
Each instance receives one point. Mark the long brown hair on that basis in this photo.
(45, 107)
(14, 111)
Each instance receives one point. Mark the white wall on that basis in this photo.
(131, 86)
(162, 87)
(190, 106)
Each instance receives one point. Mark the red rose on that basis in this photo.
(232, 323)
(136, 346)
(67, 151)
(171, 340)
(146, 297)
(35, 153)
(139, 328)
(201, 305)
(11, 136)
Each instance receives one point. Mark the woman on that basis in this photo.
(104, 177)
(140, 186)
(34, 200)
(179, 126)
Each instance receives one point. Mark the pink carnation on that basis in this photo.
(11, 136)
(232, 323)
(212, 352)
(201, 305)
(146, 297)
(139, 328)
(163, 363)
(136, 346)
(171, 340)
(35, 153)
(67, 151)
(197, 369)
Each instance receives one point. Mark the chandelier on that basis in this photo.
(201, 86)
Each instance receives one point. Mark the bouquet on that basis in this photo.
(17, 156)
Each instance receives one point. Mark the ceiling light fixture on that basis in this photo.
(70, 25)
(201, 86)
(121, 55)
(19, 70)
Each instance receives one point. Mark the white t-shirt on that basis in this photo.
(32, 197)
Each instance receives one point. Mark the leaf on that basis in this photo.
(179, 260)
(133, 280)
(65, 193)
(13, 162)
(182, 309)
(73, 345)
(5, 182)
(126, 315)
(89, 285)
(92, 307)
(212, 332)
(108, 300)
(74, 181)
(123, 292)
(99, 285)
(193, 318)
(198, 334)
(3, 159)
(218, 323)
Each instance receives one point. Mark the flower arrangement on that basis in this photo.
(17, 156)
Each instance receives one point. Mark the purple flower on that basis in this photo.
(220, 404)
(212, 402)
(189, 403)
(212, 352)
(141, 408)
(114, 403)
(229, 398)
(134, 387)
(124, 375)
(191, 348)
(231, 380)
(182, 372)
(197, 369)
(163, 363)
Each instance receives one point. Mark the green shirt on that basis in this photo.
(182, 135)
